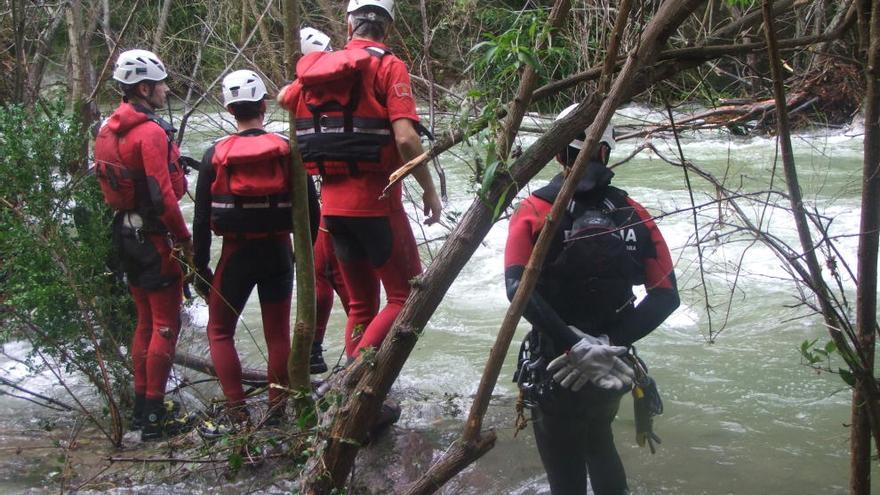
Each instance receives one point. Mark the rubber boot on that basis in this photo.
(316, 360)
(137, 413)
(161, 423)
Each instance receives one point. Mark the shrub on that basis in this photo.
(58, 291)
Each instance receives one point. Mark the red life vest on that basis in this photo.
(124, 183)
(341, 126)
(250, 193)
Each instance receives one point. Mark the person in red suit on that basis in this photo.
(356, 123)
(138, 166)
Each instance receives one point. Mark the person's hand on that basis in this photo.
(203, 280)
(433, 207)
(280, 96)
(183, 251)
(186, 249)
(590, 360)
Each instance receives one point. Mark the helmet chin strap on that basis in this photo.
(168, 107)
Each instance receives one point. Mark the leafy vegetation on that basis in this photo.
(58, 290)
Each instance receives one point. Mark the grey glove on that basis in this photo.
(592, 360)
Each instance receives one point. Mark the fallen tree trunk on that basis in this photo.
(249, 376)
(727, 115)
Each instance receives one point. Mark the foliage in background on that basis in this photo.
(509, 44)
(55, 245)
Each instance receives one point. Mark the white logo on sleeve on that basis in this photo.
(402, 90)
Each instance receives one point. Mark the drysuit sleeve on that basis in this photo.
(287, 95)
(155, 153)
(397, 88)
(662, 291)
(525, 226)
(314, 209)
(202, 215)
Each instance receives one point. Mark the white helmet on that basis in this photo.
(242, 85)
(312, 40)
(578, 143)
(386, 5)
(134, 66)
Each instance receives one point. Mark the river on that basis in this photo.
(742, 414)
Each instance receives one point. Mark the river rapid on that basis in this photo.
(742, 414)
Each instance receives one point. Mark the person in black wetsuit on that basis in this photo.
(242, 195)
(583, 316)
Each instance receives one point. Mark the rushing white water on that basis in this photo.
(742, 415)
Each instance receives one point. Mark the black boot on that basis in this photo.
(160, 422)
(137, 413)
(316, 360)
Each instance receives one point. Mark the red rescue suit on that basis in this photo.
(138, 145)
(345, 102)
(328, 279)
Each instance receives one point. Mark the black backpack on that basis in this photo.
(589, 274)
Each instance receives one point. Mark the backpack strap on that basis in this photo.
(170, 131)
(377, 53)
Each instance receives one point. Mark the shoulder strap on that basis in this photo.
(376, 59)
(376, 51)
(169, 133)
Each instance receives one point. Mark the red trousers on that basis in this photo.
(268, 265)
(328, 278)
(373, 249)
(158, 318)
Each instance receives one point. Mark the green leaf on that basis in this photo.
(847, 376)
(489, 177)
(805, 346)
(490, 54)
(830, 347)
(479, 46)
(498, 205)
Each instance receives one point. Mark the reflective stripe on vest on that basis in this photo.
(272, 201)
(328, 125)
